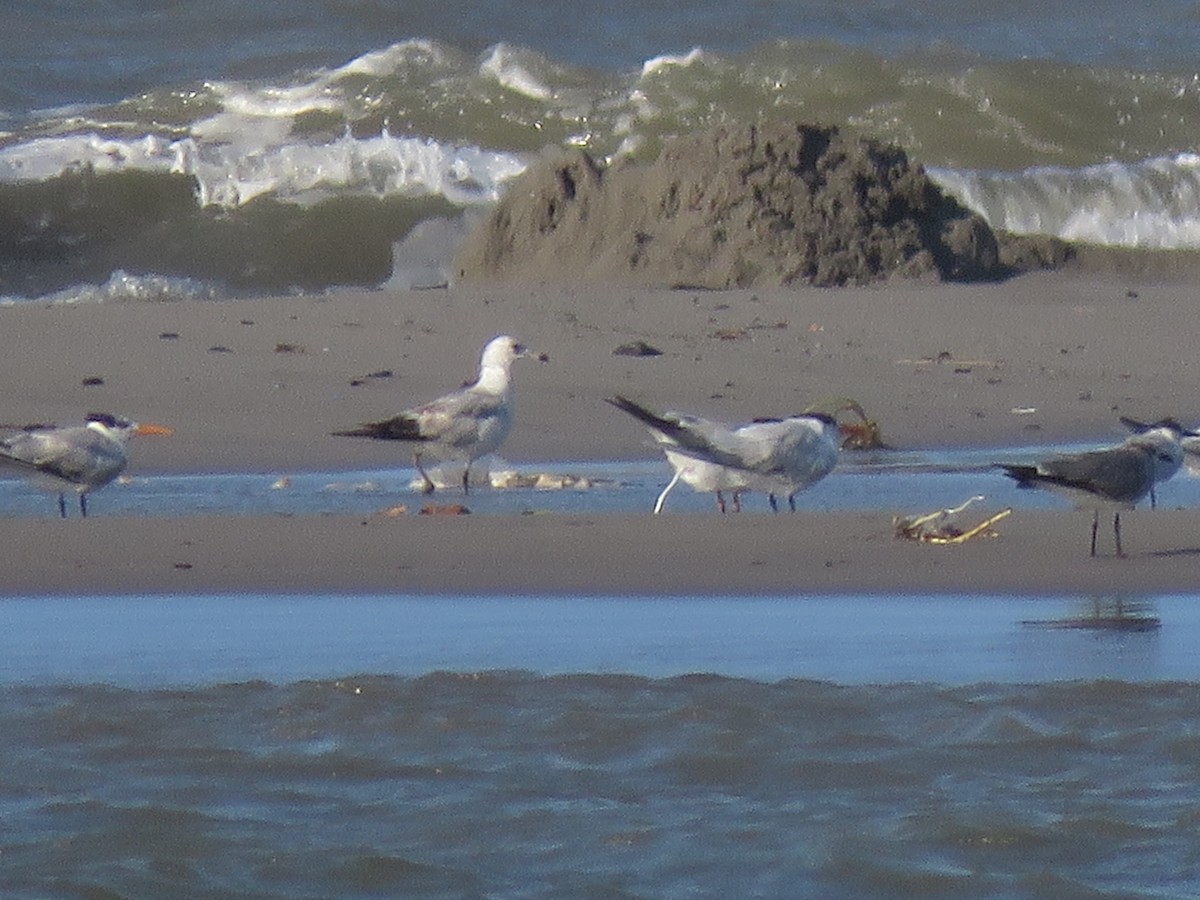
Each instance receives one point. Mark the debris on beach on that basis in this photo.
(863, 434)
(940, 526)
(960, 366)
(355, 487)
(450, 509)
(499, 475)
(540, 481)
(362, 379)
(637, 348)
(282, 483)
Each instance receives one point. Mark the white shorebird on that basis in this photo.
(775, 456)
(461, 426)
(80, 458)
(1115, 478)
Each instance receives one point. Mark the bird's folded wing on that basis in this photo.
(50, 453)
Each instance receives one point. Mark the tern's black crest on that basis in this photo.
(108, 420)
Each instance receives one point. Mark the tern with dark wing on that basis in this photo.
(774, 456)
(462, 426)
(81, 458)
(1114, 479)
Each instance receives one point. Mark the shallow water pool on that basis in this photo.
(899, 482)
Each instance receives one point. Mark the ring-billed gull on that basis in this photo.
(463, 425)
(81, 458)
(775, 456)
(1113, 478)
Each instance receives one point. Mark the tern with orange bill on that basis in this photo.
(80, 458)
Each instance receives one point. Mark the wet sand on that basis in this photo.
(1042, 552)
(257, 386)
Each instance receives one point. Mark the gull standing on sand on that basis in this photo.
(461, 426)
(1115, 478)
(81, 458)
(775, 456)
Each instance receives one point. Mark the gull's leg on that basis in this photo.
(658, 504)
(774, 505)
(737, 501)
(62, 505)
(467, 478)
(1095, 525)
(427, 487)
(1117, 532)
(83, 504)
(1153, 499)
(792, 502)
(720, 501)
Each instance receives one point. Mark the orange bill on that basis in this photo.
(162, 430)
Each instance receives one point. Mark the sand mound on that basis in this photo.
(746, 206)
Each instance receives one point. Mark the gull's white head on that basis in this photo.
(498, 356)
(501, 351)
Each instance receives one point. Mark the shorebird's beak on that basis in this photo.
(159, 430)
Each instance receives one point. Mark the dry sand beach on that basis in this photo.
(257, 385)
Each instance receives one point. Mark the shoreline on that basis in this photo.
(257, 385)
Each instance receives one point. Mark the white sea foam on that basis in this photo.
(504, 64)
(233, 173)
(1152, 204)
(658, 63)
(248, 148)
(381, 63)
(125, 287)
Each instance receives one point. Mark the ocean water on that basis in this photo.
(152, 149)
(258, 746)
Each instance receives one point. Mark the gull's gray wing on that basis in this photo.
(462, 418)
